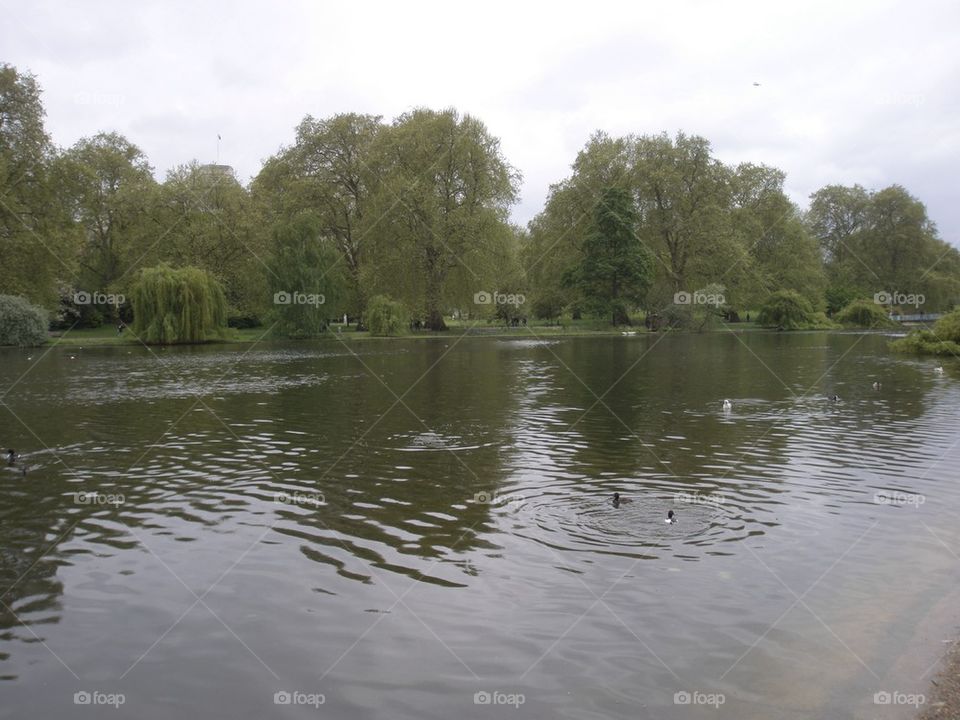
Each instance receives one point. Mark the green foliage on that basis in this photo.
(864, 313)
(882, 241)
(37, 241)
(549, 305)
(305, 278)
(615, 271)
(705, 311)
(185, 305)
(417, 209)
(207, 221)
(441, 205)
(109, 187)
(943, 339)
(948, 327)
(704, 221)
(786, 309)
(21, 323)
(774, 247)
(838, 296)
(510, 312)
(386, 317)
(330, 172)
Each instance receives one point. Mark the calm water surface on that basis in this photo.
(397, 526)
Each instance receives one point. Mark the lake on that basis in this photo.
(423, 528)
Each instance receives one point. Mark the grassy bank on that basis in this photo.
(569, 328)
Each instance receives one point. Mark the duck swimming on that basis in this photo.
(835, 398)
(727, 405)
(876, 385)
(617, 500)
(12, 459)
(670, 519)
(938, 370)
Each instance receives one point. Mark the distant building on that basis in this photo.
(218, 170)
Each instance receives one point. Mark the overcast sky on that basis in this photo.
(850, 92)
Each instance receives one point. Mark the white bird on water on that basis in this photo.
(727, 405)
(938, 370)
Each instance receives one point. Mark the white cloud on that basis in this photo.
(849, 92)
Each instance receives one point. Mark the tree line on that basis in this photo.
(415, 212)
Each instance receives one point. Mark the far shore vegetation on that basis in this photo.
(361, 227)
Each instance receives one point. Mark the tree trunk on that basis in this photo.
(620, 316)
(434, 315)
(435, 320)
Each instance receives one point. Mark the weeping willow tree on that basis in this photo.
(178, 305)
(306, 278)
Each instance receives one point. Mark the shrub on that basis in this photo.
(21, 323)
(386, 316)
(548, 305)
(839, 297)
(864, 313)
(786, 309)
(185, 305)
(705, 310)
(944, 339)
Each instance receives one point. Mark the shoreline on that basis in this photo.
(102, 337)
(928, 663)
(943, 699)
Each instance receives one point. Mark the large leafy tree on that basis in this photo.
(305, 277)
(37, 243)
(683, 199)
(328, 172)
(203, 218)
(443, 194)
(555, 233)
(837, 214)
(899, 240)
(778, 250)
(109, 186)
(616, 268)
(882, 242)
